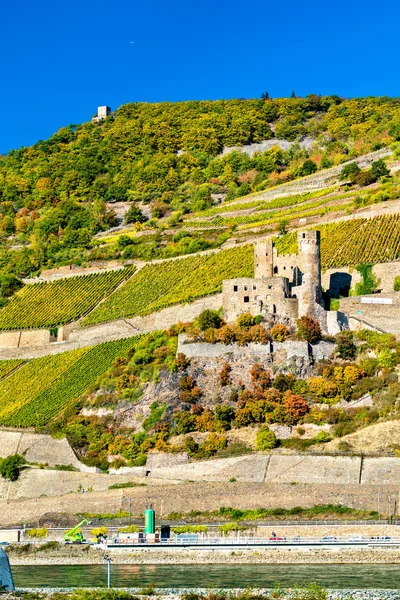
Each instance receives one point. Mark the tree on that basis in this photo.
(295, 407)
(345, 346)
(308, 329)
(135, 215)
(209, 318)
(369, 282)
(307, 168)
(293, 94)
(260, 378)
(266, 439)
(9, 284)
(245, 320)
(282, 226)
(279, 332)
(265, 96)
(365, 178)
(10, 467)
(224, 375)
(379, 169)
(349, 171)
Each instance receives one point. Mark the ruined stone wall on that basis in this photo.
(291, 349)
(339, 281)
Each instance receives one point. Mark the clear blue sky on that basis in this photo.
(61, 59)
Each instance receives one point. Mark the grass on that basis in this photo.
(298, 513)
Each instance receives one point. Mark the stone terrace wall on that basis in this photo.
(24, 339)
(274, 468)
(40, 449)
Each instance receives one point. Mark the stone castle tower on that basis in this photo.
(284, 287)
(263, 259)
(309, 291)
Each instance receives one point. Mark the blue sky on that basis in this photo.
(62, 59)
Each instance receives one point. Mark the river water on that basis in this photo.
(209, 576)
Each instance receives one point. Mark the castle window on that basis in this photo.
(270, 287)
(304, 236)
(291, 268)
(235, 288)
(284, 268)
(254, 287)
(274, 309)
(246, 299)
(275, 270)
(245, 288)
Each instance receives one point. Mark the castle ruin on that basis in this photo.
(284, 288)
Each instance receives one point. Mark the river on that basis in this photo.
(208, 576)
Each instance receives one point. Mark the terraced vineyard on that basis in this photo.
(31, 379)
(159, 285)
(38, 391)
(8, 366)
(350, 243)
(59, 302)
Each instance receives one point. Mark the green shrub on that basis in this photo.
(209, 319)
(129, 529)
(365, 178)
(322, 437)
(99, 531)
(10, 467)
(38, 532)
(345, 347)
(369, 281)
(349, 171)
(190, 529)
(229, 527)
(245, 320)
(396, 283)
(266, 439)
(379, 169)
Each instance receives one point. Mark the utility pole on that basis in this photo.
(108, 560)
(130, 512)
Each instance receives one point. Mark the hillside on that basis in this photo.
(170, 163)
(164, 202)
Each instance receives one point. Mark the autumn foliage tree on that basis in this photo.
(308, 329)
(295, 407)
(224, 375)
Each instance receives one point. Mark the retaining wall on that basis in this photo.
(276, 468)
(293, 349)
(24, 339)
(40, 449)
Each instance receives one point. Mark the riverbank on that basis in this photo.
(85, 555)
(198, 594)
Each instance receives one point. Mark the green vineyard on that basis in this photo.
(159, 285)
(8, 366)
(59, 302)
(350, 243)
(54, 381)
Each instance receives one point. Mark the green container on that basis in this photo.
(149, 521)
